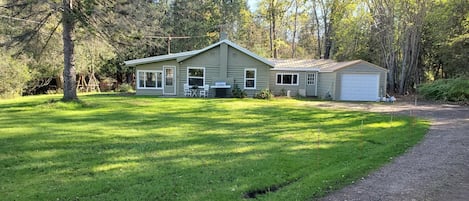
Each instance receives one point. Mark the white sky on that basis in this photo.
(252, 4)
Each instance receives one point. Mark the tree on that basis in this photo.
(13, 73)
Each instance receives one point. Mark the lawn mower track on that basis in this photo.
(435, 169)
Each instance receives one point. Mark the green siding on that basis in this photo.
(154, 66)
(214, 62)
(326, 84)
(294, 89)
(238, 61)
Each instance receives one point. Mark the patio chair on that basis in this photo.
(204, 91)
(187, 90)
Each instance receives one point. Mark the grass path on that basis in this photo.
(110, 147)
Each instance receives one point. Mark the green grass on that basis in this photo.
(110, 147)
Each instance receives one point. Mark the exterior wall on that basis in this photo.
(357, 69)
(155, 66)
(237, 62)
(210, 60)
(294, 89)
(326, 84)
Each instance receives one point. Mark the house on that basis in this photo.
(224, 65)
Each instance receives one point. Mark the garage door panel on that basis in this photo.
(359, 87)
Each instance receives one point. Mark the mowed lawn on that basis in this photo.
(111, 147)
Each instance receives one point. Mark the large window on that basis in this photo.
(196, 76)
(149, 79)
(250, 78)
(287, 79)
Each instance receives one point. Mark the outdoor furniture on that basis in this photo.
(221, 89)
(194, 92)
(204, 91)
(187, 90)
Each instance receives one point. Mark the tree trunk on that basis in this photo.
(316, 17)
(295, 24)
(68, 23)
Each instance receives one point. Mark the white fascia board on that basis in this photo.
(159, 58)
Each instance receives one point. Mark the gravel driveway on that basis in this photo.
(435, 169)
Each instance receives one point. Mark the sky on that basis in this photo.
(253, 4)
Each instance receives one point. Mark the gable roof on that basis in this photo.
(335, 66)
(159, 58)
(186, 55)
(321, 65)
(233, 45)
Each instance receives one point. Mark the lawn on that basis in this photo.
(111, 147)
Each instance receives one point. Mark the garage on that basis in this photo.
(359, 87)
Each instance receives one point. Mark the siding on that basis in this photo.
(237, 62)
(210, 60)
(326, 84)
(294, 89)
(154, 66)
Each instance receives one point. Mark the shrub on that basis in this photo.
(13, 76)
(238, 93)
(264, 94)
(447, 90)
(125, 88)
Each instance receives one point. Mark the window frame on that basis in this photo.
(282, 78)
(188, 77)
(308, 81)
(145, 76)
(247, 79)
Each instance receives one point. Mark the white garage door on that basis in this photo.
(359, 87)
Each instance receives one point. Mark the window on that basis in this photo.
(310, 79)
(287, 79)
(250, 78)
(149, 79)
(196, 76)
(169, 77)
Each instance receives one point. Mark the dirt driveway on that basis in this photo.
(435, 169)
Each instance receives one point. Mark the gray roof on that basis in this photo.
(186, 55)
(159, 58)
(321, 65)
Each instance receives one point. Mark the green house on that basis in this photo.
(215, 70)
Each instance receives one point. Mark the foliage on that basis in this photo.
(447, 90)
(125, 88)
(13, 75)
(264, 94)
(108, 147)
(237, 92)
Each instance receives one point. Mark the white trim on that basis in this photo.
(255, 77)
(154, 59)
(174, 79)
(282, 74)
(317, 78)
(371, 88)
(234, 45)
(314, 78)
(150, 71)
(187, 74)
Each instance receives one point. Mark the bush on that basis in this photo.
(13, 75)
(264, 94)
(125, 88)
(456, 90)
(238, 93)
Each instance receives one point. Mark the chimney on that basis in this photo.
(223, 36)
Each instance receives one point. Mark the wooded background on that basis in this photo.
(61, 43)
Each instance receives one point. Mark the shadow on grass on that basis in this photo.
(113, 147)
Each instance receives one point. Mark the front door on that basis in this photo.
(311, 84)
(169, 76)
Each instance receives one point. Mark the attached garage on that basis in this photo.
(359, 87)
(352, 81)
